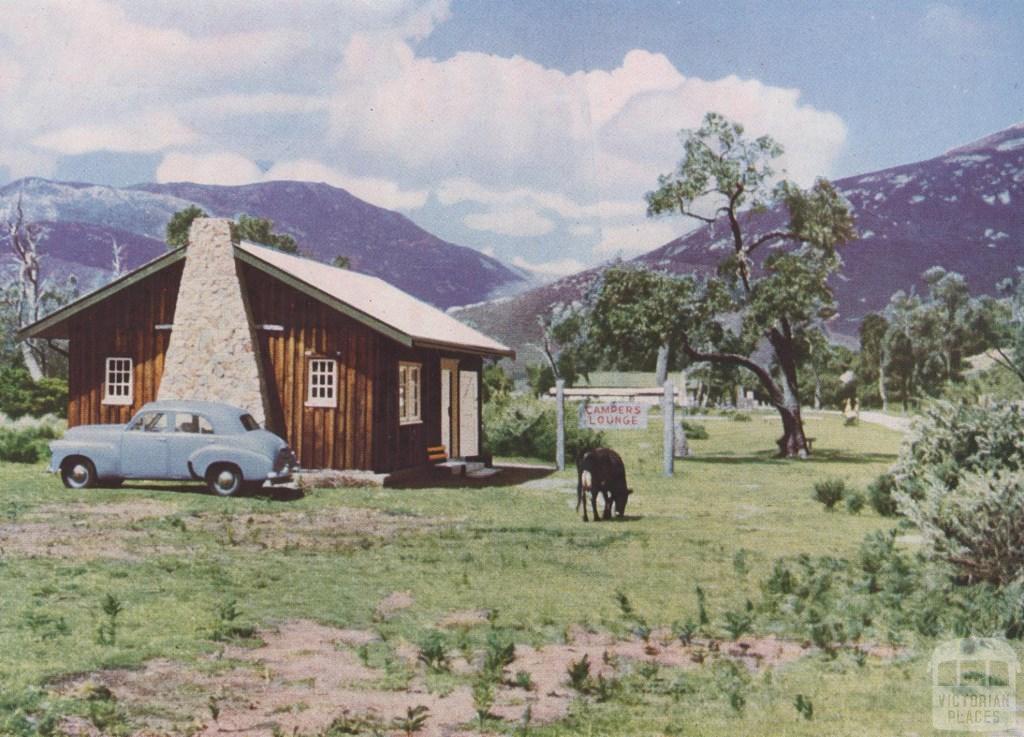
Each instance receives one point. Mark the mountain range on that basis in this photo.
(80, 221)
(963, 210)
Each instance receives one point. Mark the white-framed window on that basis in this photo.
(409, 385)
(117, 381)
(322, 388)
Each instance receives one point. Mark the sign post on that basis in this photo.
(560, 412)
(668, 405)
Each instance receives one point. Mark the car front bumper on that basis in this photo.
(280, 477)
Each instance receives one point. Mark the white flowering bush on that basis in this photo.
(25, 439)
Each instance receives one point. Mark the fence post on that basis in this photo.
(668, 406)
(560, 412)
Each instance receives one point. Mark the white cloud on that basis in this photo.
(556, 268)
(520, 222)
(634, 239)
(230, 168)
(215, 168)
(454, 191)
(581, 229)
(262, 103)
(601, 135)
(380, 192)
(153, 131)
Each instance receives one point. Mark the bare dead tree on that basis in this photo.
(117, 260)
(23, 239)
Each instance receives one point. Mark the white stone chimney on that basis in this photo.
(212, 352)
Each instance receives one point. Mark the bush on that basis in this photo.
(695, 431)
(977, 527)
(741, 417)
(855, 502)
(523, 426)
(25, 440)
(880, 495)
(951, 441)
(960, 479)
(830, 492)
(20, 396)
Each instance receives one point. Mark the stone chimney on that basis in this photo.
(212, 352)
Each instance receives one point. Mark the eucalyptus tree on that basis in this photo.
(724, 178)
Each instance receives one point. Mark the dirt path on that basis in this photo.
(899, 424)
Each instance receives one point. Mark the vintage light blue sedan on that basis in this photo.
(205, 441)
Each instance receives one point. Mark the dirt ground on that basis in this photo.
(122, 530)
(76, 530)
(306, 675)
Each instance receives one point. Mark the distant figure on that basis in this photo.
(601, 471)
(851, 411)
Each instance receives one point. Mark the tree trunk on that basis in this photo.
(661, 368)
(881, 384)
(793, 442)
(31, 362)
(785, 399)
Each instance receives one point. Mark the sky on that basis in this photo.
(529, 130)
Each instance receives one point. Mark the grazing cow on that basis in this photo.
(601, 471)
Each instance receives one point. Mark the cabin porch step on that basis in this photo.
(460, 467)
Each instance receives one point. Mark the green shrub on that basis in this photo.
(26, 440)
(880, 495)
(855, 502)
(434, 652)
(950, 441)
(960, 479)
(20, 396)
(830, 492)
(695, 431)
(978, 527)
(523, 426)
(741, 417)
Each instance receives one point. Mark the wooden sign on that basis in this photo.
(613, 416)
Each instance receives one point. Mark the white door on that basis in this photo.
(469, 419)
(446, 410)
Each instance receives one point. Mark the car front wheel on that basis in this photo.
(224, 479)
(78, 473)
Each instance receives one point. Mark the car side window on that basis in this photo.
(149, 422)
(186, 422)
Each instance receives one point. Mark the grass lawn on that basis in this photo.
(175, 559)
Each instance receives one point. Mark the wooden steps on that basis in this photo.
(436, 453)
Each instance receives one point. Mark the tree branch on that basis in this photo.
(1006, 362)
(784, 234)
(736, 359)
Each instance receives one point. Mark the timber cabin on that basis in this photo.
(351, 371)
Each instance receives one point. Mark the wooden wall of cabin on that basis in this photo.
(340, 436)
(363, 430)
(123, 325)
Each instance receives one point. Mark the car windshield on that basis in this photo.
(249, 422)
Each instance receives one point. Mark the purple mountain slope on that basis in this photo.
(328, 222)
(963, 210)
(80, 219)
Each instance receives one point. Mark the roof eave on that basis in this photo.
(465, 348)
(55, 319)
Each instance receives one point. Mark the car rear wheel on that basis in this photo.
(223, 479)
(78, 473)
